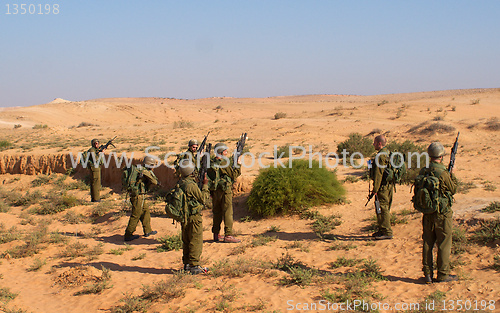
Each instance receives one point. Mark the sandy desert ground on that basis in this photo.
(76, 260)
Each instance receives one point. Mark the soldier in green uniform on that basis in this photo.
(192, 229)
(94, 170)
(222, 175)
(437, 227)
(383, 189)
(191, 153)
(145, 178)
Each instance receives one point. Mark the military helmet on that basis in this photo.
(149, 161)
(435, 150)
(193, 142)
(93, 141)
(219, 147)
(186, 167)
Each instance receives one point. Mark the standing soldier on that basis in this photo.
(192, 228)
(94, 166)
(437, 226)
(139, 180)
(381, 188)
(191, 153)
(222, 176)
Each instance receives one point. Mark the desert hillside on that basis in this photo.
(62, 253)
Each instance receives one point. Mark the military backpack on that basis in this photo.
(395, 170)
(130, 176)
(426, 193)
(176, 207)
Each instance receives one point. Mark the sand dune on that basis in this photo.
(321, 121)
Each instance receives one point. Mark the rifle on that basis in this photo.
(377, 203)
(205, 163)
(109, 143)
(453, 154)
(240, 145)
(202, 146)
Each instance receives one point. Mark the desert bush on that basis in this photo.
(293, 189)
(488, 231)
(300, 276)
(4, 207)
(169, 243)
(493, 124)
(382, 102)
(475, 101)
(345, 262)
(39, 126)
(496, 262)
(436, 128)
(28, 198)
(85, 124)
(31, 246)
(460, 243)
(282, 152)
(492, 207)
(74, 250)
(8, 235)
(120, 251)
(464, 187)
(5, 144)
(73, 218)
(57, 203)
(131, 304)
(356, 143)
(16, 126)
(100, 285)
(140, 256)
(341, 246)
(37, 265)
(6, 295)
(183, 124)
(279, 115)
(287, 262)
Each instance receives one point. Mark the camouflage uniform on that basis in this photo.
(384, 191)
(95, 174)
(145, 179)
(188, 154)
(192, 230)
(437, 227)
(221, 179)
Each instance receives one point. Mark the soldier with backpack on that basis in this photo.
(383, 188)
(434, 188)
(191, 221)
(137, 181)
(191, 154)
(222, 175)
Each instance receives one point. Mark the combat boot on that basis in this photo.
(231, 239)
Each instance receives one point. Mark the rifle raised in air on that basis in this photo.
(240, 145)
(109, 143)
(204, 165)
(453, 154)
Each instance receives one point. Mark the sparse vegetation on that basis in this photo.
(262, 240)
(100, 285)
(5, 144)
(37, 265)
(488, 231)
(238, 267)
(120, 251)
(293, 190)
(40, 126)
(325, 224)
(492, 207)
(464, 187)
(140, 256)
(183, 124)
(493, 124)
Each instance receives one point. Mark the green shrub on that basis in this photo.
(169, 243)
(5, 144)
(40, 180)
(40, 126)
(324, 224)
(492, 207)
(293, 189)
(406, 147)
(356, 143)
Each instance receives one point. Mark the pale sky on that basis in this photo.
(244, 48)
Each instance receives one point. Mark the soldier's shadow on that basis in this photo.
(409, 280)
(351, 237)
(123, 268)
(118, 239)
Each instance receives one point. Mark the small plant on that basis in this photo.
(324, 224)
(299, 276)
(382, 102)
(140, 256)
(279, 115)
(120, 251)
(282, 152)
(340, 246)
(40, 126)
(262, 240)
(298, 245)
(351, 179)
(238, 267)
(100, 285)
(488, 231)
(273, 229)
(8, 235)
(496, 262)
(6, 295)
(37, 265)
(492, 207)
(183, 124)
(74, 250)
(246, 219)
(5, 144)
(16, 126)
(85, 124)
(169, 243)
(489, 187)
(474, 101)
(493, 124)
(464, 187)
(344, 262)
(41, 180)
